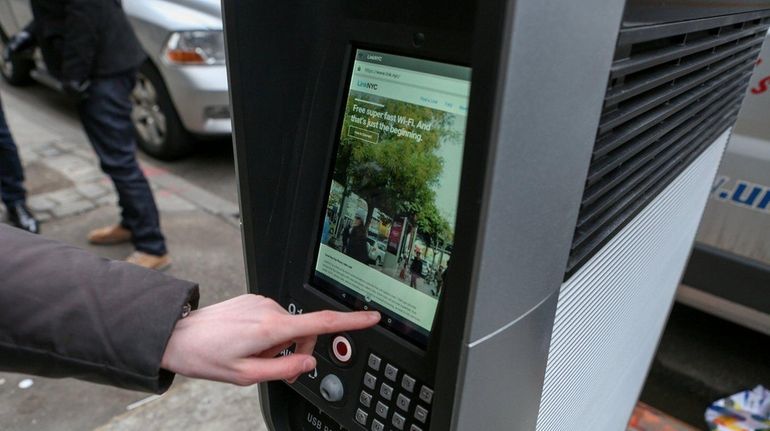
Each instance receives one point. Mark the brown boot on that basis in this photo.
(149, 261)
(109, 235)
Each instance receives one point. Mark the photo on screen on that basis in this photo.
(388, 229)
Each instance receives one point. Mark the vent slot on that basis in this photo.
(673, 89)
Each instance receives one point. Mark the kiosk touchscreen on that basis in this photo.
(389, 220)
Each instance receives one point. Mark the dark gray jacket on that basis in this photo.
(67, 313)
(85, 39)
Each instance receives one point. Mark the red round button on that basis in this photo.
(342, 349)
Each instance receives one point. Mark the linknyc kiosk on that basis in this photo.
(514, 185)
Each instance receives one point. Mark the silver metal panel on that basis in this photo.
(505, 374)
(542, 144)
(611, 313)
(542, 140)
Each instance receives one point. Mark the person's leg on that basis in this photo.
(11, 172)
(106, 117)
(12, 181)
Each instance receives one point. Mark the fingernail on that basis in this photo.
(309, 364)
(375, 315)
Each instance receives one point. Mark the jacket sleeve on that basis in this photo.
(81, 38)
(67, 313)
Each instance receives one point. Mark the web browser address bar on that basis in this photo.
(423, 81)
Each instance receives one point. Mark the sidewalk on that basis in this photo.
(70, 195)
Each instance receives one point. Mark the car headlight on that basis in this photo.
(203, 47)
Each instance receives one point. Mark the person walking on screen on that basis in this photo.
(357, 242)
(91, 48)
(415, 269)
(12, 190)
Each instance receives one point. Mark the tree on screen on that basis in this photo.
(397, 174)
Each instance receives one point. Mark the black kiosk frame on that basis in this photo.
(323, 76)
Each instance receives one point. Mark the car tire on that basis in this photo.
(16, 72)
(159, 131)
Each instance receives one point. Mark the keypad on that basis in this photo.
(365, 399)
(398, 421)
(361, 416)
(421, 414)
(426, 394)
(382, 409)
(391, 372)
(403, 402)
(391, 399)
(386, 391)
(370, 381)
(407, 382)
(374, 362)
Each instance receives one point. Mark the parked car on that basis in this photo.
(729, 270)
(376, 250)
(181, 91)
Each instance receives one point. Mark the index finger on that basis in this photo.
(325, 322)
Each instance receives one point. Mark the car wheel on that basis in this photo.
(159, 131)
(17, 71)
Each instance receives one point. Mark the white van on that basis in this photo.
(729, 270)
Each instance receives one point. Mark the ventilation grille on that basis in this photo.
(611, 312)
(672, 90)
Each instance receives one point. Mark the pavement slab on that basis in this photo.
(195, 406)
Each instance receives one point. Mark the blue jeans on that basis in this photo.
(106, 117)
(11, 173)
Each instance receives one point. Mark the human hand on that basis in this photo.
(236, 341)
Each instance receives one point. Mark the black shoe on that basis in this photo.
(20, 216)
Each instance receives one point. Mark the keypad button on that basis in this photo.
(426, 394)
(407, 382)
(377, 425)
(398, 421)
(415, 428)
(374, 362)
(361, 417)
(403, 402)
(381, 409)
(365, 398)
(421, 414)
(370, 381)
(386, 391)
(391, 372)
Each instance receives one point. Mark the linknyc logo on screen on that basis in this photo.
(366, 84)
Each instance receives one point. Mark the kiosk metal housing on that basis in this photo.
(594, 131)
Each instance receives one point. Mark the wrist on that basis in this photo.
(167, 361)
